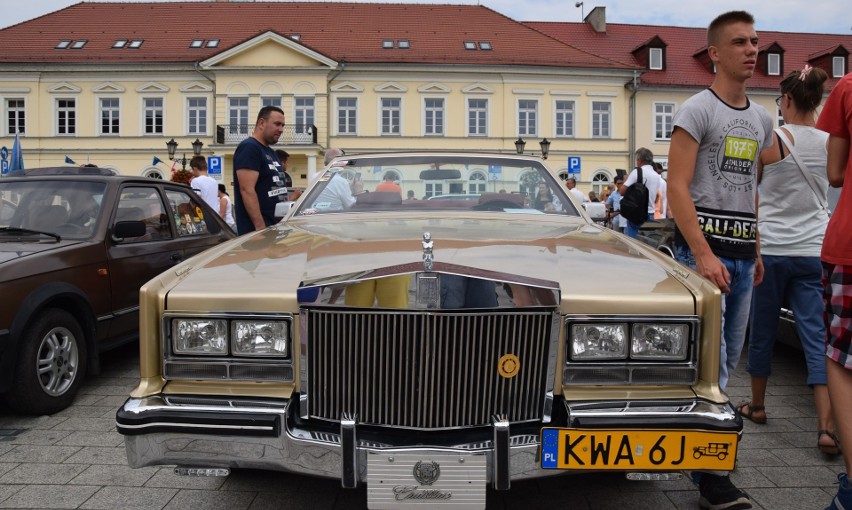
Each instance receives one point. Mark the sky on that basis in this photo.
(815, 16)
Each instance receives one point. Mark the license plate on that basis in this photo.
(641, 450)
(425, 479)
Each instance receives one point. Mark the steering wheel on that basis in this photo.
(496, 205)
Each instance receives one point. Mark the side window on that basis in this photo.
(188, 214)
(143, 203)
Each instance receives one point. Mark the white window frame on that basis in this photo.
(557, 112)
(666, 117)
(525, 113)
(271, 101)
(655, 54)
(300, 111)
(439, 129)
(773, 64)
(433, 188)
(352, 114)
(595, 114)
(190, 110)
(21, 115)
(838, 66)
(477, 185)
(144, 116)
(236, 127)
(391, 110)
(468, 110)
(58, 109)
(100, 114)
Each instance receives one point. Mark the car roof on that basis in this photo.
(47, 174)
(63, 170)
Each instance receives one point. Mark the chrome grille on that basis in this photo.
(428, 370)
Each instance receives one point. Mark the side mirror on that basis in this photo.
(124, 229)
(282, 208)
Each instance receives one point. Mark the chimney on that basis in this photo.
(597, 19)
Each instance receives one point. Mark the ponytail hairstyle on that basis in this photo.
(805, 87)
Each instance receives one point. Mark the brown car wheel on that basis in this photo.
(51, 364)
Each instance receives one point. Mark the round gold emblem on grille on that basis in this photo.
(508, 366)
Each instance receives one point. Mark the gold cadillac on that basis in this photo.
(482, 331)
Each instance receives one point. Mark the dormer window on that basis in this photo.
(79, 44)
(773, 64)
(197, 43)
(119, 43)
(403, 44)
(136, 43)
(838, 66)
(61, 45)
(469, 45)
(387, 44)
(655, 58)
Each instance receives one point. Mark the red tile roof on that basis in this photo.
(345, 32)
(682, 68)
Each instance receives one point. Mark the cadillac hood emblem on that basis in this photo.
(508, 366)
(427, 251)
(426, 473)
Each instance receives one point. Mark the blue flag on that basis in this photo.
(156, 160)
(17, 162)
(69, 161)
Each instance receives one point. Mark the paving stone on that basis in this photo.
(87, 400)
(129, 498)
(49, 496)
(790, 498)
(6, 490)
(102, 424)
(272, 481)
(92, 438)
(789, 390)
(809, 476)
(37, 473)
(633, 500)
(357, 500)
(166, 478)
(210, 500)
(7, 466)
(746, 477)
(114, 475)
(807, 456)
(113, 401)
(38, 453)
(299, 501)
(40, 437)
(751, 458)
(99, 455)
(763, 441)
(30, 422)
(85, 411)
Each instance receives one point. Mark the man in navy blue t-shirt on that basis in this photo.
(257, 178)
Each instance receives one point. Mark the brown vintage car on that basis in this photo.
(427, 348)
(75, 246)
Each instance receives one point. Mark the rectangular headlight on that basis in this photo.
(200, 336)
(260, 338)
(598, 341)
(660, 341)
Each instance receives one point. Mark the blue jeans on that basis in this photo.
(735, 308)
(632, 229)
(798, 279)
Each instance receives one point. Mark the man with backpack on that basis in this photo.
(642, 183)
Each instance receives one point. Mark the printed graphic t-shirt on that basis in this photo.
(723, 184)
(253, 155)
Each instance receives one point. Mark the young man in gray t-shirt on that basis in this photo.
(712, 186)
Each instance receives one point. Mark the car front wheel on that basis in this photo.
(51, 364)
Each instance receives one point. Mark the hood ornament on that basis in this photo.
(427, 281)
(427, 252)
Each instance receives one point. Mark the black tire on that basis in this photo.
(51, 364)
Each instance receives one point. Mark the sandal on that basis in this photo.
(751, 410)
(829, 449)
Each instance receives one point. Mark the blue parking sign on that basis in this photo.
(574, 165)
(214, 165)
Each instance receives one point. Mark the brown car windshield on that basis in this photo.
(69, 209)
(437, 183)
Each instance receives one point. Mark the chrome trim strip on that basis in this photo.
(192, 426)
(126, 311)
(304, 386)
(349, 452)
(724, 412)
(502, 469)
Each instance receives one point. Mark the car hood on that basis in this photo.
(594, 269)
(14, 250)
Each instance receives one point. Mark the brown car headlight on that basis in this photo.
(659, 341)
(200, 336)
(598, 341)
(260, 338)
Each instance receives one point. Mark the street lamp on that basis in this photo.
(172, 145)
(545, 148)
(519, 145)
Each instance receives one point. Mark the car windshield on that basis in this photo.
(437, 183)
(69, 209)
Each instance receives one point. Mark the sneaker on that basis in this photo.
(718, 493)
(843, 500)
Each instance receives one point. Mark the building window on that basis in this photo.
(304, 111)
(390, 111)
(601, 119)
(270, 101)
(564, 118)
(15, 116)
(434, 116)
(663, 116)
(838, 66)
(600, 181)
(773, 64)
(238, 115)
(197, 110)
(655, 58)
(469, 45)
(347, 115)
(66, 116)
(527, 117)
(110, 115)
(476, 184)
(477, 117)
(153, 115)
(433, 188)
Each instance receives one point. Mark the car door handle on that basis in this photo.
(176, 257)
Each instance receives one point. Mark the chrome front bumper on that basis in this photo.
(258, 435)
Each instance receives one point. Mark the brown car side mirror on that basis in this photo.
(124, 229)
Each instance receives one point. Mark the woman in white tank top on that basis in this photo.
(791, 226)
(226, 208)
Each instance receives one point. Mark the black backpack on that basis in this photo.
(634, 203)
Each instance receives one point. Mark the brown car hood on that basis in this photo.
(14, 250)
(590, 265)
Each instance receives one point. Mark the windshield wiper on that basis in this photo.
(19, 230)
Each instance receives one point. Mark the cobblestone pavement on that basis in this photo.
(75, 459)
